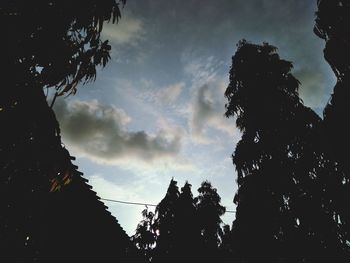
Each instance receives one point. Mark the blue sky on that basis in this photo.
(157, 110)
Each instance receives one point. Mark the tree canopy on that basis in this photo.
(332, 19)
(282, 173)
(186, 229)
(55, 43)
(46, 206)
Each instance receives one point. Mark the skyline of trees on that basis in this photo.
(183, 228)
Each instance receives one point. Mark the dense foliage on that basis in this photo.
(285, 182)
(184, 228)
(54, 43)
(49, 44)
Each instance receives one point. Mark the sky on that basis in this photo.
(156, 111)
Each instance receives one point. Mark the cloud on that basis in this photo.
(201, 70)
(212, 28)
(314, 88)
(109, 190)
(129, 30)
(207, 112)
(151, 92)
(206, 108)
(170, 93)
(99, 132)
(203, 109)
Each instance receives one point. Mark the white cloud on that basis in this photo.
(171, 93)
(129, 30)
(168, 95)
(201, 70)
(109, 190)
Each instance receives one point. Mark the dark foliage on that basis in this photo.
(55, 43)
(165, 226)
(332, 20)
(184, 228)
(145, 237)
(209, 211)
(285, 182)
(187, 228)
(48, 212)
(226, 248)
(332, 25)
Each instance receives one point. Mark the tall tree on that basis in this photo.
(47, 44)
(209, 212)
(282, 214)
(226, 245)
(145, 237)
(184, 228)
(164, 225)
(187, 231)
(331, 25)
(332, 19)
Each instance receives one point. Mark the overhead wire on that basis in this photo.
(143, 204)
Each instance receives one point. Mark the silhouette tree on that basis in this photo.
(331, 25)
(55, 43)
(164, 225)
(332, 19)
(187, 231)
(145, 237)
(282, 203)
(226, 245)
(49, 44)
(209, 212)
(184, 229)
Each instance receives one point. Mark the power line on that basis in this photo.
(143, 204)
(127, 203)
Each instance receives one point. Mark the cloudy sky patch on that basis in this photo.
(100, 132)
(129, 31)
(157, 110)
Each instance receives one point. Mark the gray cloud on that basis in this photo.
(170, 93)
(100, 133)
(206, 109)
(314, 90)
(202, 111)
(207, 112)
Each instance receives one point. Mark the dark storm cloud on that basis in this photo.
(99, 132)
